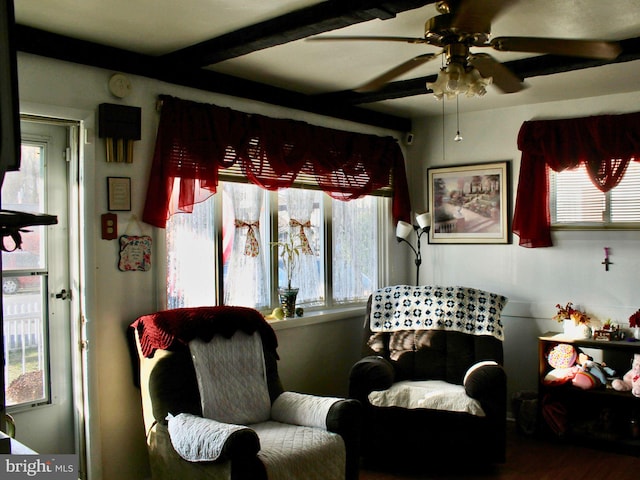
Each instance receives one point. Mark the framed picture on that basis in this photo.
(119, 194)
(470, 203)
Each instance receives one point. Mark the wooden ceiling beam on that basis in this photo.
(47, 44)
(296, 25)
(319, 18)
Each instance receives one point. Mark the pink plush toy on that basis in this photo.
(631, 379)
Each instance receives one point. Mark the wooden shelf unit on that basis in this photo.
(600, 417)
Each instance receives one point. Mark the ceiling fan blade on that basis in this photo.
(389, 75)
(472, 16)
(503, 78)
(366, 38)
(559, 46)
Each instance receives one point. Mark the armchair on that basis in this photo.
(214, 406)
(431, 379)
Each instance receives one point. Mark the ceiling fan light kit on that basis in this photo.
(463, 24)
(455, 79)
(458, 76)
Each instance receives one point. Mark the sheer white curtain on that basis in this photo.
(355, 251)
(300, 207)
(245, 280)
(191, 273)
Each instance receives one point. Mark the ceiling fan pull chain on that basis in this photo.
(458, 137)
(443, 135)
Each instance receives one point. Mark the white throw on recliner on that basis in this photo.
(238, 364)
(432, 373)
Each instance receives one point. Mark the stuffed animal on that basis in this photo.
(591, 374)
(571, 365)
(562, 358)
(631, 379)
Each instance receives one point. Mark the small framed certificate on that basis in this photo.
(119, 194)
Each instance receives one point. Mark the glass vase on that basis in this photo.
(288, 301)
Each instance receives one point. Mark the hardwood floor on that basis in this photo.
(534, 459)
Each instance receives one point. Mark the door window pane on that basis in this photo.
(24, 342)
(24, 287)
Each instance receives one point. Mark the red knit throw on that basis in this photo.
(174, 329)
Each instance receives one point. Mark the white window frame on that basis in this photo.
(383, 250)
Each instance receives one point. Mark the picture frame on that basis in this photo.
(470, 204)
(119, 194)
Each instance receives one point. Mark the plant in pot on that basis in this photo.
(289, 251)
(575, 322)
(634, 323)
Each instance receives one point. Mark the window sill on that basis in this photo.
(319, 316)
(597, 226)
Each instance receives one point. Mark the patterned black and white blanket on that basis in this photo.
(462, 309)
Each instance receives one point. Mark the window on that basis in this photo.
(575, 201)
(222, 253)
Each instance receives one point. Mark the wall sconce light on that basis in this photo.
(404, 229)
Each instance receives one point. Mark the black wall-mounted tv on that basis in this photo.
(9, 103)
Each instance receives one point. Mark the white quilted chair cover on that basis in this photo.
(288, 451)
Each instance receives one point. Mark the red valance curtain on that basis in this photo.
(605, 144)
(195, 141)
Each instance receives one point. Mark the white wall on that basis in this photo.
(535, 280)
(314, 358)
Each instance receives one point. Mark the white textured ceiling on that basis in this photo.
(156, 27)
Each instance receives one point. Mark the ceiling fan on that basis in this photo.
(463, 24)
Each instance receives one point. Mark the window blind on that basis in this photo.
(578, 201)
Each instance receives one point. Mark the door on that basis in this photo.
(36, 302)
